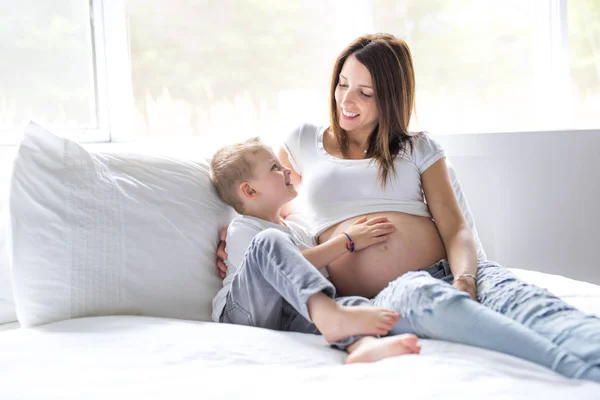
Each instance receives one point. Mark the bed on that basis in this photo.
(112, 272)
(145, 357)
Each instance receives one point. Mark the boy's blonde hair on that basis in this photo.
(232, 165)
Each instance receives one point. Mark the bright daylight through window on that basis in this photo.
(48, 65)
(234, 68)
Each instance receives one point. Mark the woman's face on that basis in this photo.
(354, 98)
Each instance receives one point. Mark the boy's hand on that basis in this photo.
(367, 232)
(221, 254)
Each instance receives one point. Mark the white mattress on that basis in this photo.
(148, 358)
(9, 326)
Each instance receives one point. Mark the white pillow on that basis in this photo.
(104, 234)
(7, 303)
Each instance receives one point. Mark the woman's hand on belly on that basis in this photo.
(415, 244)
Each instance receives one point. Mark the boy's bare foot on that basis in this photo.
(370, 349)
(339, 322)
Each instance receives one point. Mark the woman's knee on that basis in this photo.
(502, 291)
(491, 278)
(488, 264)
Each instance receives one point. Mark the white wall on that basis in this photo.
(535, 197)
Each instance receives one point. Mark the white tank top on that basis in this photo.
(335, 189)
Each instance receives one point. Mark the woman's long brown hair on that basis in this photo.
(390, 64)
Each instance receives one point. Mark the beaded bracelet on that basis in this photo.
(349, 243)
(459, 277)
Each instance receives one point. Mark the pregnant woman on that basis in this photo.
(365, 162)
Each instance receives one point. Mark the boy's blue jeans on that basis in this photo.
(274, 283)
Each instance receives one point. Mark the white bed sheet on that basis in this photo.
(151, 358)
(9, 326)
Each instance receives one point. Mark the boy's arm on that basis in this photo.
(322, 255)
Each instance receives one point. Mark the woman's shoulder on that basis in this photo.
(301, 144)
(307, 130)
(425, 150)
(424, 141)
(422, 136)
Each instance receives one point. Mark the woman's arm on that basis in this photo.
(295, 178)
(454, 230)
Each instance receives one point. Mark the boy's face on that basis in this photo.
(271, 180)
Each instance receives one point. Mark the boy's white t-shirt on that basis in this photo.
(240, 233)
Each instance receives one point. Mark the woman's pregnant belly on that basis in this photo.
(416, 244)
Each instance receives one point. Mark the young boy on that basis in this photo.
(273, 279)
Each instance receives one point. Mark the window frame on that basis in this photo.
(112, 77)
(552, 55)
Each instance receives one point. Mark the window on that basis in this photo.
(474, 62)
(234, 68)
(226, 70)
(584, 62)
(48, 70)
(231, 69)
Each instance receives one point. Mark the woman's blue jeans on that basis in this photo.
(272, 287)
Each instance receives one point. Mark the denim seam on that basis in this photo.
(235, 305)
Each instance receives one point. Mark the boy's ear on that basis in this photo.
(247, 190)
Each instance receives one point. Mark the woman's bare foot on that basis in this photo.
(370, 349)
(339, 322)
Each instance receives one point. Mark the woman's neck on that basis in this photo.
(358, 140)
